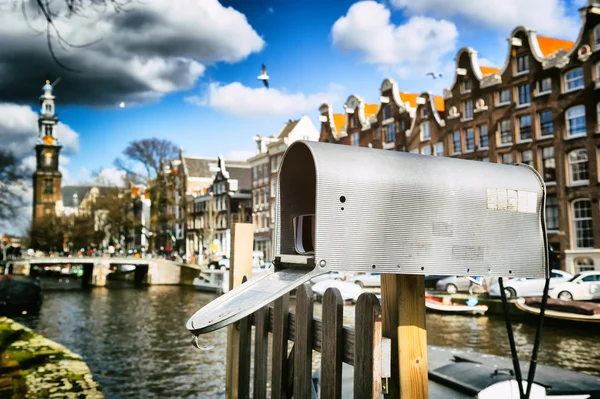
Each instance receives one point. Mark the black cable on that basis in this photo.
(511, 340)
(538, 337)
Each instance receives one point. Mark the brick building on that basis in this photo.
(542, 108)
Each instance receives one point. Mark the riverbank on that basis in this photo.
(32, 366)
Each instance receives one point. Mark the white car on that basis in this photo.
(523, 287)
(328, 276)
(367, 280)
(350, 292)
(582, 287)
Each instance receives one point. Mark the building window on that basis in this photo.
(551, 213)
(522, 63)
(274, 164)
(425, 133)
(377, 133)
(524, 94)
(467, 109)
(582, 223)
(505, 132)
(483, 136)
(387, 112)
(426, 150)
(352, 122)
(544, 86)
(415, 151)
(503, 97)
(469, 139)
(546, 124)
(524, 127)
(48, 186)
(574, 79)
(485, 159)
(584, 265)
(506, 158)
(439, 149)
(548, 164)
(466, 86)
(390, 134)
(578, 166)
(402, 125)
(527, 157)
(424, 112)
(355, 139)
(255, 173)
(597, 70)
(576, 121)
(456, 142)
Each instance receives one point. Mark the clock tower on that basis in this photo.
(47, 197)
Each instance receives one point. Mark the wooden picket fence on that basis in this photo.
(291, 373)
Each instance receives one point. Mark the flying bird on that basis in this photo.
(263, 76)
(434, 75)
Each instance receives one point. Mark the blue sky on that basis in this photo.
(314, 51)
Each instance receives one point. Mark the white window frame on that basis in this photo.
(567, 118)
(539, 84)
(541, 131)
(463, 86)
(472, 131)
(522, 160)
(525, 71)
(498, 96)
(500, 143)
(543, 166)
(571, 163)
(519, 103)
(576, 219)
(566, 80)
(503, 154)
(425, 128)
(521, 139)
(465, 107)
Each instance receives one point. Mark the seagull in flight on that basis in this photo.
(263, 76)
(434, 75)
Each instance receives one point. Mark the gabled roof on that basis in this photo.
(287, 129)
(549, 45)
(203, 167)
(339, 120)
(242, 174)
(370, 110)
(488, 70)
(411, 98)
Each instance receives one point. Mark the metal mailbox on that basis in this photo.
(392, 212)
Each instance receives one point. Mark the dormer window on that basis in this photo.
(597, 37)
(522, 64)
(424, 112)
(465, 86)
(467, 109)
(352, 122)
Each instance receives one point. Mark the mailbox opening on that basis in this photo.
(297, 207)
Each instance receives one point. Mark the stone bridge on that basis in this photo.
(96, 269)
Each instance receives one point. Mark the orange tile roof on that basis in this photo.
(439, 103)
(339, 120)
(411, 98)
(370, 110)
(488, 70)
(549, 45)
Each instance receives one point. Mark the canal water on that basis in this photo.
(137, 346)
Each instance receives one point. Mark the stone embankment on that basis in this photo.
(32, 366)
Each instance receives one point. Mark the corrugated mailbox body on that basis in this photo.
(393, 212)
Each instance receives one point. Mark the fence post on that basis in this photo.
(403, 303)
(332, 344)
(303, 343)
(241, 265)
(367, 348)
(279, 363)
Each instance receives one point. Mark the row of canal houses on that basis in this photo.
(542, 108)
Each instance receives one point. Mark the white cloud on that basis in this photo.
(239, 100)
(154, 48)
(486, 62)
(548, 17)
(19, 131)
(110, 177)
(418, 44)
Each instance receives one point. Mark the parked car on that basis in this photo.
(367, 280)
(432, 279)
(328, 276)
(221, 264)
(453, 284)
(523, 287)
(350, 292)
(584, 286)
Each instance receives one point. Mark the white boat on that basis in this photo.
(212, 281)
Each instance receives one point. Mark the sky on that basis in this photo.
(187, 69)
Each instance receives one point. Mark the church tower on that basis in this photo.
(47, 197)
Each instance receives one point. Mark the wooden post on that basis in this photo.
(367, 348)
(403, 308)
(332, 344)
(240, 265)
(303, 342)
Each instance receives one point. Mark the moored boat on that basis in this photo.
(437, 305)
(573, 313)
